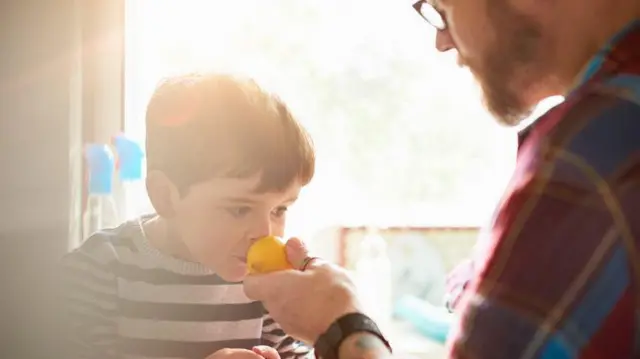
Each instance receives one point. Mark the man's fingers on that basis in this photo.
(298, 255)
(297, 252)
(257, 287)
(266, 352)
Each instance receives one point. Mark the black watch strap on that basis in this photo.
(328, 343)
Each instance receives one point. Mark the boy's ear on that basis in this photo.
(163, 194)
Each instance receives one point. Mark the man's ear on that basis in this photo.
(163, 194)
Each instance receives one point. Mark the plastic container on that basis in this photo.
(130, 158)
(431, 321)
(373, 277)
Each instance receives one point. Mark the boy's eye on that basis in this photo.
(280, 211)
(239, 212)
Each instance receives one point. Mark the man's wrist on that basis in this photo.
(352, 326)
(363, 345)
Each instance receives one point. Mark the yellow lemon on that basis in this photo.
(266, 255)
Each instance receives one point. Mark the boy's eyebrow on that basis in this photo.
(249, 200)
(237, 199)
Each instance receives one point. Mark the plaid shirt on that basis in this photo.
(560, 277)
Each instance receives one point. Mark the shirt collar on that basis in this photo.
(590, 69)
(524, 133)
(594, 65)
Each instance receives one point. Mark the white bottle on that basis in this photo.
(373, 277)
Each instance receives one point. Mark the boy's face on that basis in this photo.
(219, 219)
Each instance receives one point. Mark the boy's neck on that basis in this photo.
(160, 234)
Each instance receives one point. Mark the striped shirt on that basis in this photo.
(126, 299)
(561, 275)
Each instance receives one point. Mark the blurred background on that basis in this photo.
(404, 144)
(409, 167)
(406, 152)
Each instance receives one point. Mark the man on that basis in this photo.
(560, 277)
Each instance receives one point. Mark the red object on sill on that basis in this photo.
(345, 231)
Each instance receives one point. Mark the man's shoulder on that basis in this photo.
(600, 128)
(590, 138)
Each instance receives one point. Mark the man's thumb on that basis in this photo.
(297, 252)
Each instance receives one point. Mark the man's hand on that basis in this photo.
(259, 352)
(304, 303)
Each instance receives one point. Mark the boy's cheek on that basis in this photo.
(212, 258)
(218, 248)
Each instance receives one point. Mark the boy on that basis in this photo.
(224, 162)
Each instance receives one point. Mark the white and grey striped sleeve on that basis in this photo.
(89, 292)
(275, 337)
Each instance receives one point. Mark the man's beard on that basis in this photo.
(511, 64)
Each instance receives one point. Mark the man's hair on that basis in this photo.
(201, 126)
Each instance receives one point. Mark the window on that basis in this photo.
(401, 135)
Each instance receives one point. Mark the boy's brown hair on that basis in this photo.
(201, 126)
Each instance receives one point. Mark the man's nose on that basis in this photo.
(444, 41)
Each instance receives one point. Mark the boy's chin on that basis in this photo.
(233, 273)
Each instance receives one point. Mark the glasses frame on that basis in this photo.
(441, 26)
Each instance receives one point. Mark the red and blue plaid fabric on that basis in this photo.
(561, 276)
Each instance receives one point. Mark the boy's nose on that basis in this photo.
(261, 229)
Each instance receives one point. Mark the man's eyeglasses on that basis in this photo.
(431, 14)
